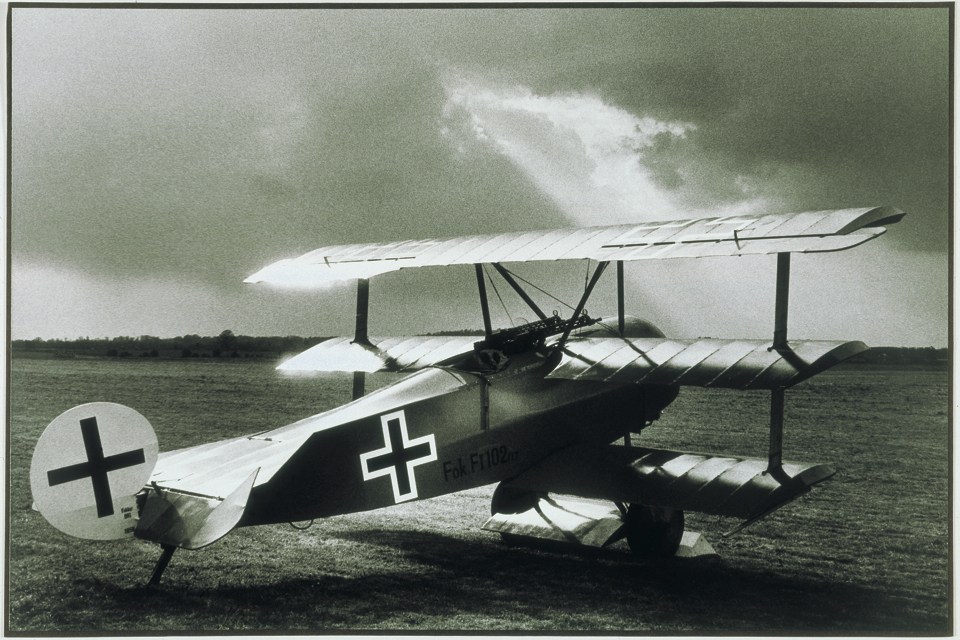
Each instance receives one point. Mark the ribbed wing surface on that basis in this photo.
(731, 364)
(727, 236)
(718, 485)
(385, 354)
(706, 483)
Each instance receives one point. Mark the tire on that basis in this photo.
(653, 532)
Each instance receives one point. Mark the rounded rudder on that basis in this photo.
(88, 465)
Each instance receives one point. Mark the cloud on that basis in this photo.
(600, 163)
(198, 146)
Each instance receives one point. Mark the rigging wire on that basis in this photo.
(547, 293)
(538, 288)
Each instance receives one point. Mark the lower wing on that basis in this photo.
(705, 483)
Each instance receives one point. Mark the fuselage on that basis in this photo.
(442, 430)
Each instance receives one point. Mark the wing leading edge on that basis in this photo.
(408, 353)
(816, 231)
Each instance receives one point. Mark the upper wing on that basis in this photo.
(728, 236)
(731, 364)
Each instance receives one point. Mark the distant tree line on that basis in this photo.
(903, 355)
(227, 344)
(457, 332)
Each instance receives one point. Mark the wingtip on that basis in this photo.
(886, 216)
(873, 218)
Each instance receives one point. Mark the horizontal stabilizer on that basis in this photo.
(705, 483)
(190, 520)
(809, 232)
(730, 364)
(383, 354)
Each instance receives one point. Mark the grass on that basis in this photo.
(867, 552)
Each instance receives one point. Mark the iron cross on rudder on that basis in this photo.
(96, 467)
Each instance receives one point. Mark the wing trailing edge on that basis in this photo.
(809, 232)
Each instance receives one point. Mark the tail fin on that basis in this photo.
(88, 465)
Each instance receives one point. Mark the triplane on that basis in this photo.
(540, 408)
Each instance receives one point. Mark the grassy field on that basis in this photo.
(866, 553)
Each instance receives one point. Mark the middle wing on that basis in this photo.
(407, 353)
(729, 364)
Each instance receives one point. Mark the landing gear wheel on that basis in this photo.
(507, 499)
(653, 532)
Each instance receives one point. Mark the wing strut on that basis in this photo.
(484, 306)
(782, 301)
(516, 287)
(621, 324)
(781, 304)
(620, 313)
(582, 303)
(360, 334)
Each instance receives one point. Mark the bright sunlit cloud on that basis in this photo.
(590, 157)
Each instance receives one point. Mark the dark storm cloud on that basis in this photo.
(856, 97)
(228, 139)
(164, 120)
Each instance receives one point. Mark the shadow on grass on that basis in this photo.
(423, 580)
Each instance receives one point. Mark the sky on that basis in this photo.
(161, 156)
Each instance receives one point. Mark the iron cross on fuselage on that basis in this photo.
(399, 456)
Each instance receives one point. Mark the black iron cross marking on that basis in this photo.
(398, 457)
(96, 467)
